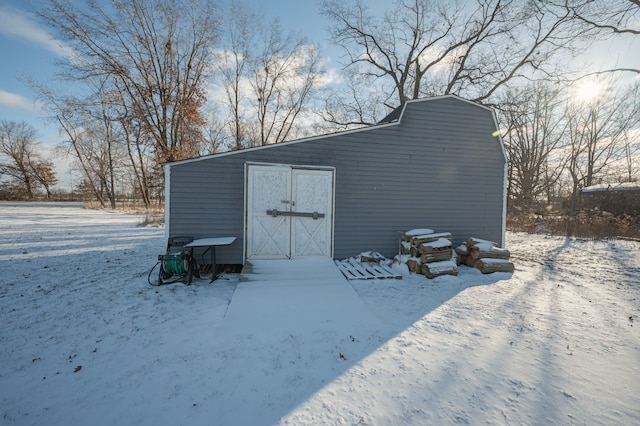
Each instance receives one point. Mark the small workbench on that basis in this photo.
(212, 243)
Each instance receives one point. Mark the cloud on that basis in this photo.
(13, 100)
(18, 24)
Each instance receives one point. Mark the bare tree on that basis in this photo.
(104, 156)
(597, 133)
(433, 47)
(215, 136)
(156, 51)
(617, 17)
(104, 118)
(239, 39)
(535, 132)
(44, 173)
(607, 20)
(268, 78)
(631, 146)
(284, 75)
(71, 113)
(139, 156)
(19, 158)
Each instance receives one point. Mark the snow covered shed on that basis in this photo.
(617, 198)
(436, 162)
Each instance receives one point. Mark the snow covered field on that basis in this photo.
(85, 340)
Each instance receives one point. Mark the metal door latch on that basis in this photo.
(314, 215)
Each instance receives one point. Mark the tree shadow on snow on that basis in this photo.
(273, 371)
(167, 354)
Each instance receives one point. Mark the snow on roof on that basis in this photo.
(626, 186)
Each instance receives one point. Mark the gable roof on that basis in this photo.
(393, 119)
(393, 115)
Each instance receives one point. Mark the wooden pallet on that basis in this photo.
(355, 270)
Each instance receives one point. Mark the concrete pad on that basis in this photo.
(286, 295)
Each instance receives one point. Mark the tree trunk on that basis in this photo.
(82, 163)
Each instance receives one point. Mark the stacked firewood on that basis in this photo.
(484, 255)
(429, 253)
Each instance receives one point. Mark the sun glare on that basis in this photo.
(588, 90)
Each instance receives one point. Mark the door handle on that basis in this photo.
(314, 215)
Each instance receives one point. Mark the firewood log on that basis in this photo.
(412, 233)
(405, 247)
(485, 251)
(487, 266)
(427, 238)
(370, 256)
(414, 264)
(472, 241)
(435, 246)
(447, 267)
(437, 256)
(462, 250)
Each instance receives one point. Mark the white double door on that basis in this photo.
(289, 212)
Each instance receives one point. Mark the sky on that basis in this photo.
(27, 50)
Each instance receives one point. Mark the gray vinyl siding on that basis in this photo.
(440, 167)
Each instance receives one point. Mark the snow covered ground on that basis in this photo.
(85, 339)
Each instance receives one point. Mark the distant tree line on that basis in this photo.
(164, 80)
(558, 145)
(23, 170)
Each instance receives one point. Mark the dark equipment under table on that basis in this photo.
(211, 244)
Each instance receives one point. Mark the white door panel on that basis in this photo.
(291, 192)
(312, 192)
(270, 236)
